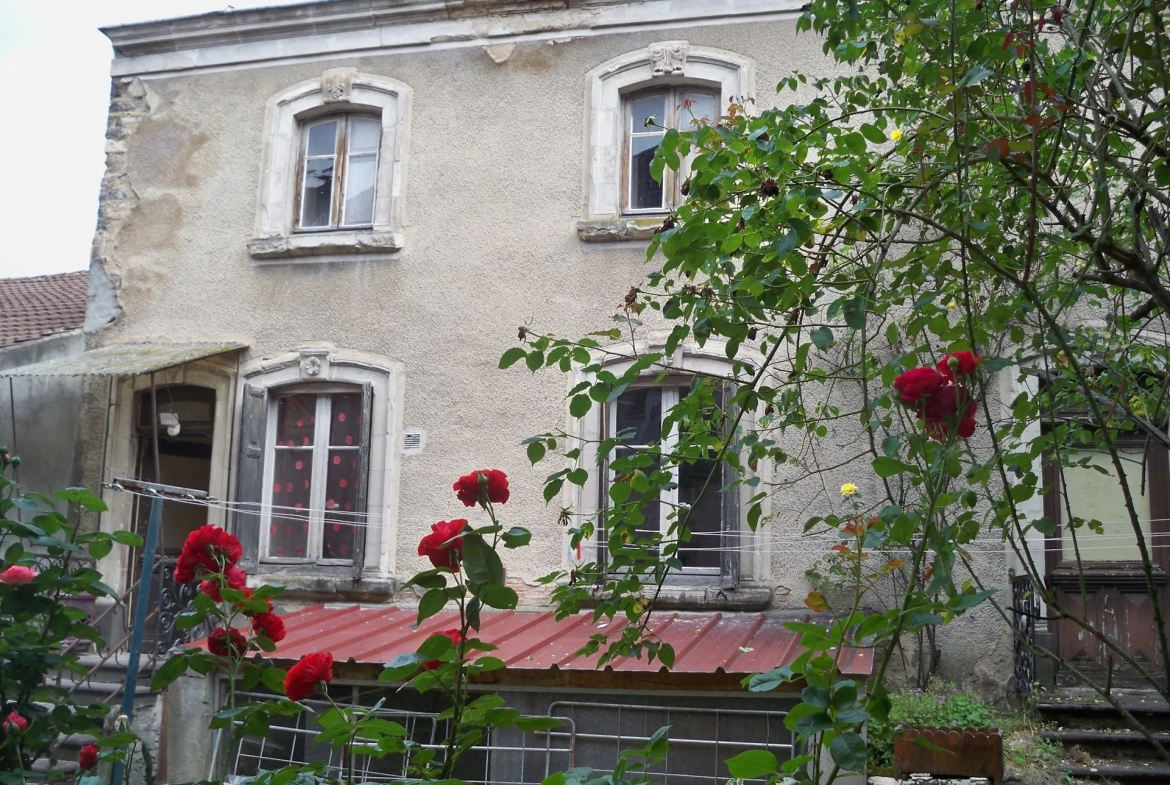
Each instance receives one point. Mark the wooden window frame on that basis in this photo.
(730, 524)
(319, 472)
(1157, 465)
(671, 180)
(341, 156)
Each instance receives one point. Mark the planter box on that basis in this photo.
(949, 752)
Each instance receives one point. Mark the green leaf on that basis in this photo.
(516, 537)
(822, 337)
(752, 764)
(481, 563)
(873, 133)
(493, 595)
(512, 356)
(99, 549)
(766, 682)
(123, 537)
(885, 466)
(400, 667)
(535, 452)
(172, 669)
(431, 603)
(580, 404)
(815, 696)
(848, 751)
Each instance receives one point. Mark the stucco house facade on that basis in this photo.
(321, 226)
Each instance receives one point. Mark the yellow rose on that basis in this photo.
(848, 489)
(952, 304)
(896, 134)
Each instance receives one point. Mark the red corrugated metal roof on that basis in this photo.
(731, 643)
(33, 308)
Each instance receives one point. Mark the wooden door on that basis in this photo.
(1099, 575)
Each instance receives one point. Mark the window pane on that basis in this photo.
(642, 109)
(323, 139)
(706, 516)
(359, 189)
(345, 427)
(641, 410)
(296, 416)
(651, 511)
(288, 532)
(364, 134)
(695, 107)
(341, 487)
(318, 197)
(1095, 496)
(645, 191)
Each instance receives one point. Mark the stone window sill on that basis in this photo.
(323, 246)
(713, 598)
(615, 230)
(327, 588)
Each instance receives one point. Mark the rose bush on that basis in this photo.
(46, 561)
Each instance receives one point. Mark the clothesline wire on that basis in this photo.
(1087, 542)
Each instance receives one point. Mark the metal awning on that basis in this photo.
(125, 359)
(736, 644)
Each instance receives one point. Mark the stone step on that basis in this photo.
(1109, 744)
(1135, 773)
(1086, 712)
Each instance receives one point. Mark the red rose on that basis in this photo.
(918, 383)
(204, 550)
(942, 410)
(456, 638)
(270, 626)
(236, 579)
(470, 491)
(958, 364)
(303, 678)
(14, 723)
(88, 757)
(227, 643)
(444, 545)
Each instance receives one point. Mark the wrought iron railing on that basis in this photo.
(161, 634)
(1025, 613)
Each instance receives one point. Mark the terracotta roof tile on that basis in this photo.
(32, 308)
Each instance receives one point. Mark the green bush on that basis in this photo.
(940, 705)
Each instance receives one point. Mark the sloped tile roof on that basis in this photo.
(32, 308)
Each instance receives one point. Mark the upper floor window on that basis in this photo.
(339, 172)
(675, 85)
(648, 116)
(331, 176)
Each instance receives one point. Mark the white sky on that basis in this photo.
(56, 66)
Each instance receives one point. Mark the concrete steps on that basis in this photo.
(1098, 742)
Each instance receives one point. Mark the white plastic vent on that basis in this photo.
(413, 441)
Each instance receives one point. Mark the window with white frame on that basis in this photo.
(697, 491)
(649, 114)
(315, 475)
(331, 176)
(339, 172)
(315, 497)
(674, 83)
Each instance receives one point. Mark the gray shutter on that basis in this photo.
(363, 492)
(250, 473)
(729, 567)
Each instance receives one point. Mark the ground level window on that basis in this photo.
(637, 420)
(316, 475)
